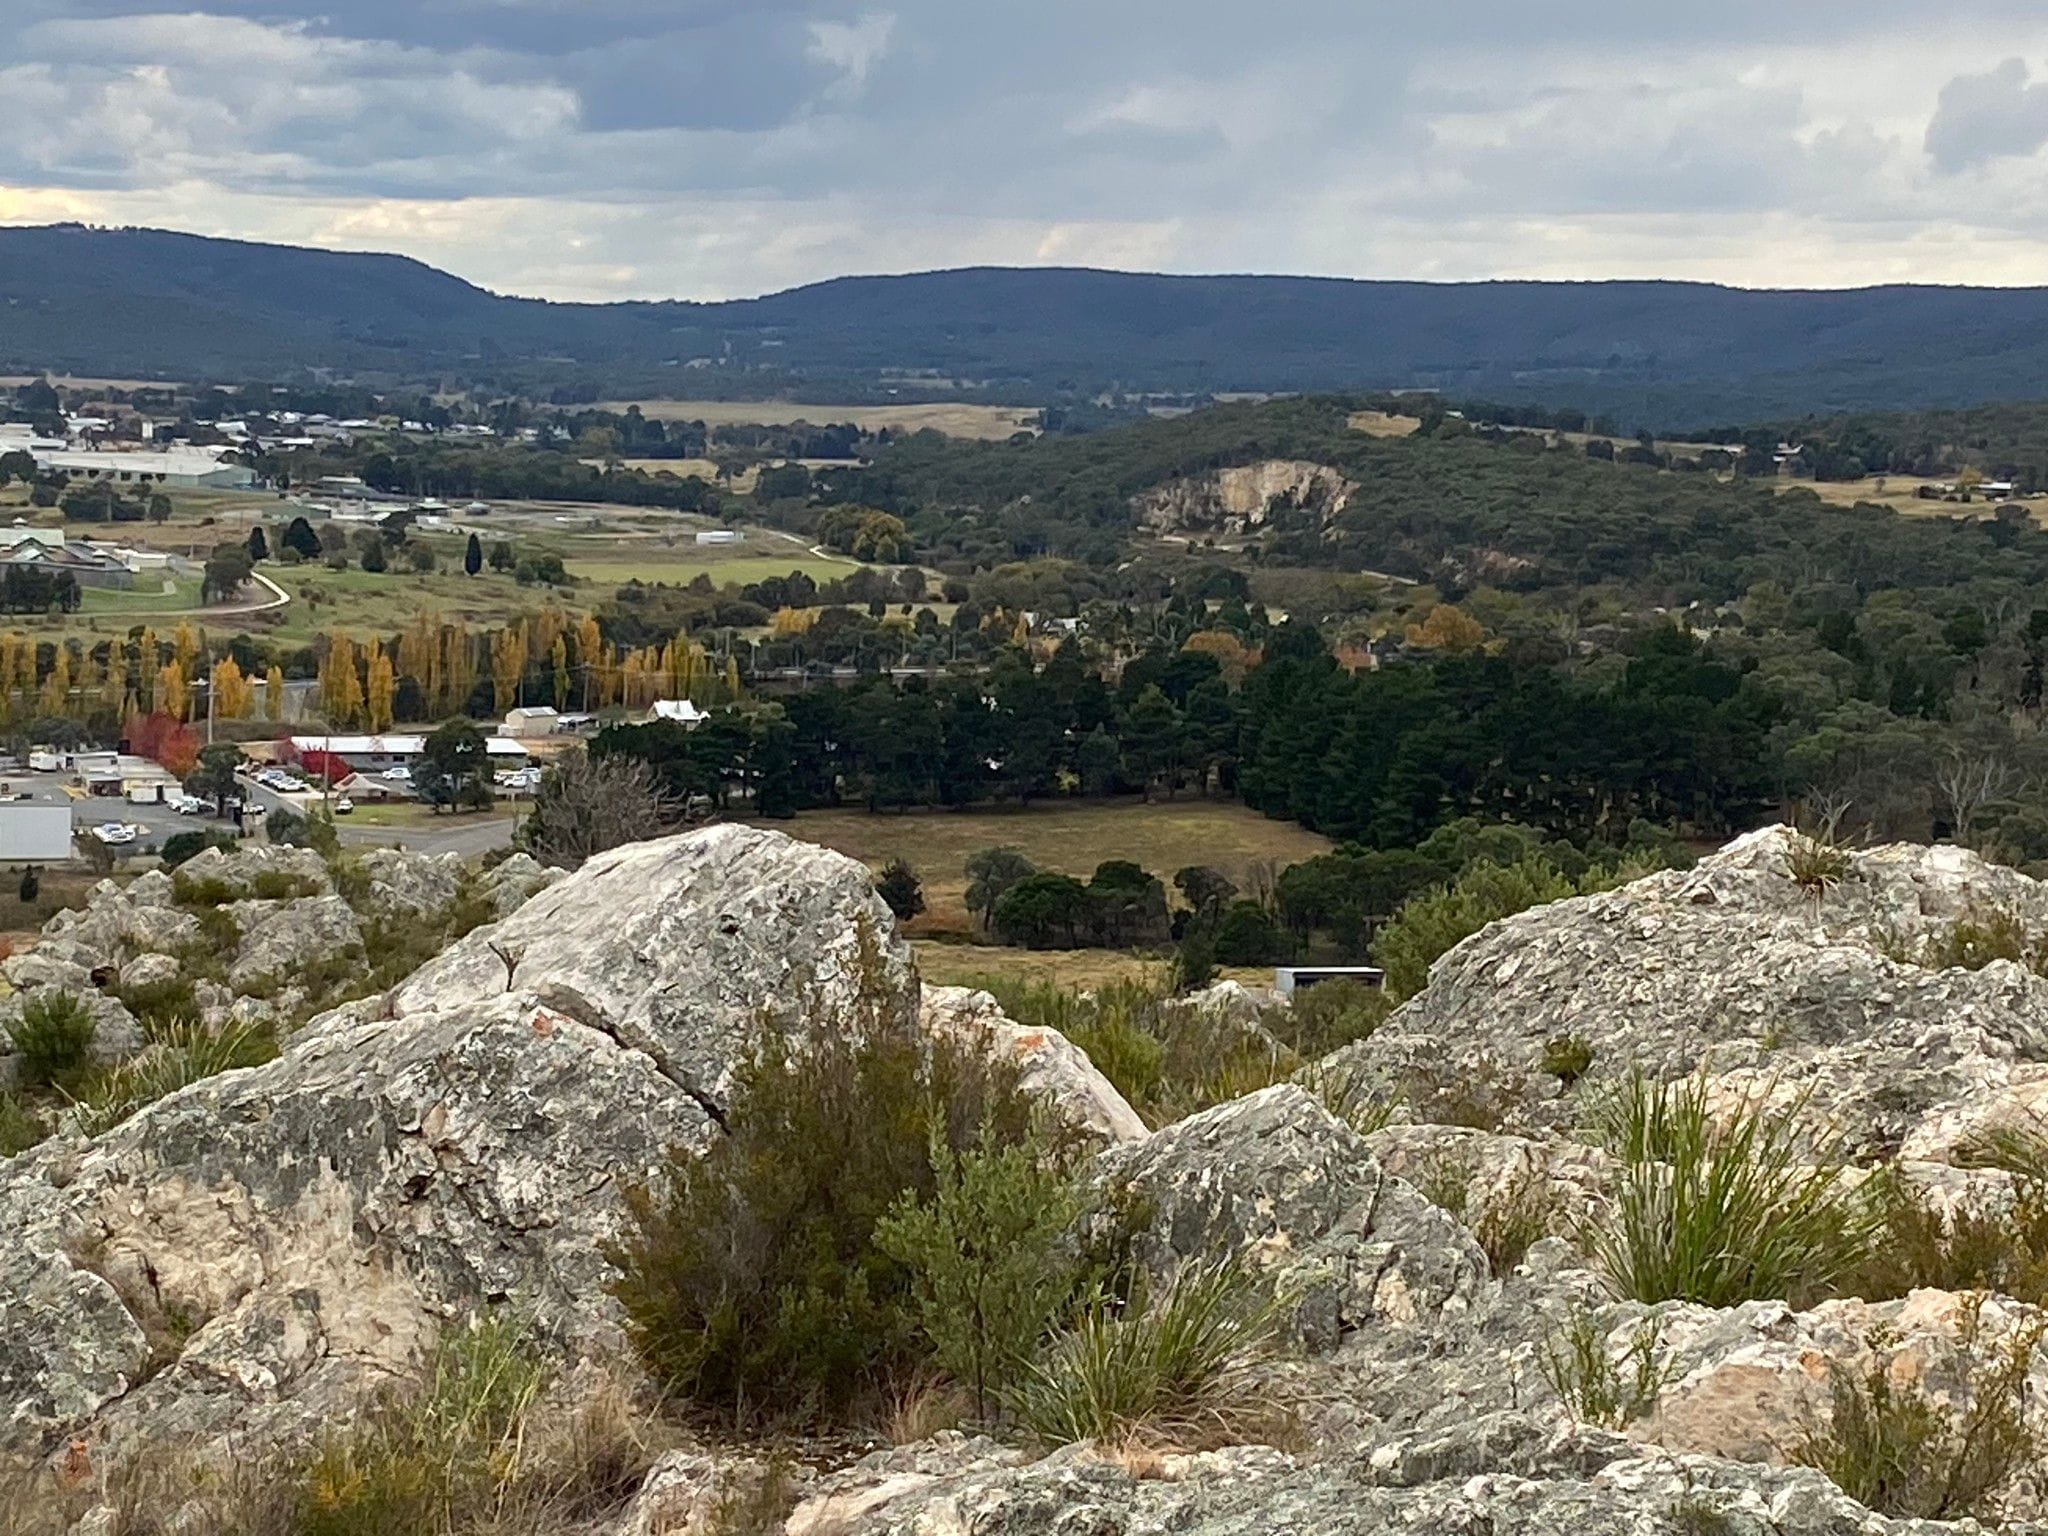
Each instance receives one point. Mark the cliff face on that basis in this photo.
(1236, 501)
(241, 1259)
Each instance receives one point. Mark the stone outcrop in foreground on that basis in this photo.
(247, 1255)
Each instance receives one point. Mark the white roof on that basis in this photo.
(531, 712)
(406, 745)
(163, 461)
(678, 709)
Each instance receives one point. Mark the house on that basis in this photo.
(530, 720)
(721, 536)
(682, 711)
(88, 566)
(135, 779)
(334, 758)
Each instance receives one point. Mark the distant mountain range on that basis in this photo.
(149, 303)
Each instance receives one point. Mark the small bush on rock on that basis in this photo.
(182, 1054)
(52, 1038)
(752, 1278)
(1596, 1387)
(1567, 1058)
(1329, 1016)
(1906, 1454)
(986, 1258)
(1722, 1212)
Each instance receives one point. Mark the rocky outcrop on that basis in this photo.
(1733, 967)
(1278, 1183)
(1049, 1065)
(1244, 498)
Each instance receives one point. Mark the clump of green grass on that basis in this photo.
(1903, 1453)
(183, 1054)
(1177, 1367)
(52, 1039)
(1722, 1211)
(1816, 861)
(1596, 1387)
(1167, 1060)
(1520, 1215)
(20, 1128)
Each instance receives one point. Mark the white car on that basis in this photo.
(114, 832)
(190, 805)
(343, 806)
(399, 775)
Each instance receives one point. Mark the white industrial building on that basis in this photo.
(159, 466)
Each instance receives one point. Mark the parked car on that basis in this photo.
(399, 775)
(114, 832)
(190, 805)
(343, 806)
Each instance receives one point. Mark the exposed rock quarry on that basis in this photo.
(1238, 500)
(247, 1254)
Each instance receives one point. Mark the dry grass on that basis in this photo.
(1071, 837)
(1082, 970)
(952, 418)
(1380, 424)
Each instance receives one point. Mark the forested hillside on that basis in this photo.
(140, 302)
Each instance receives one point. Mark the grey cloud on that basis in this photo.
(1984, 117)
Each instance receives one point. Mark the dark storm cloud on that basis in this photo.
(698, 147)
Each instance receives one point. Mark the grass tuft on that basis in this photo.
(1177, 1368)
(1722, 1212)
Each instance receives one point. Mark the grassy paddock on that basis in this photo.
(1071, 837)
(972, 965)
(952, 418)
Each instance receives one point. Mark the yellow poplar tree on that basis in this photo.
(273, 693)
(230, 690)
(382, 688)
(173, 693)
(57, 686)
(559, 654)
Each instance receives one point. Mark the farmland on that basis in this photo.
(1071, 837)
(986, 422)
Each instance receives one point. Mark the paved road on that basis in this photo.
(468, 834)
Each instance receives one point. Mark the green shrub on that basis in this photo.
(1903, 1453)
(1176, 1367)
(1567, 1058)
(1917, 1247)
(160, 1007)
(1330, 1016)
(1817, 862)
(986, 1258)
(19, 1127)
(52, 1038)
(180, 846)
(1722, 1212)
(1428, 926)
(190, 890)
(185, 1053)
(1596, 1387)
(751, 1277)
(1167, 1060)
(283, 885)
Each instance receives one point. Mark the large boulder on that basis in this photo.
(684, 945)
(1279, 1184)
(1734, 967)
(286, 1234)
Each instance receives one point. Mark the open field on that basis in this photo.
(1380, 424)
(953, 419)
(148, 595)
(1899, 496)
(1068, 836)
(972, 965)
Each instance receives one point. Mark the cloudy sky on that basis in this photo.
(712, 148)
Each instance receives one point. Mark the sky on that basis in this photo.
(604, 149)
